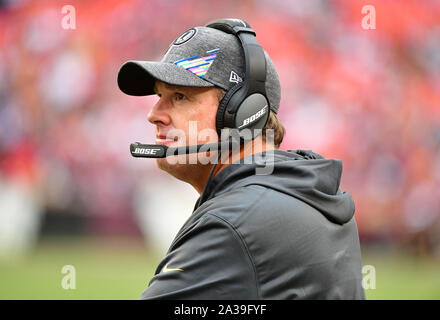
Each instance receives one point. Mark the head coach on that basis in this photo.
(289, 234)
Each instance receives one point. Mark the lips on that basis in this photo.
(162, 139)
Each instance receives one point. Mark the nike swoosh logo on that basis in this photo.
(166, 269)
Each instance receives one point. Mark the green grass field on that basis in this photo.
(121, 269)
(117, 269)
(403, 276)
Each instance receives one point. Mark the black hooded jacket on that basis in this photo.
(285, 235)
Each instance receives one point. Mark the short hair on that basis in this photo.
(273, 123)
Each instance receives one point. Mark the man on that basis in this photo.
(289, 234)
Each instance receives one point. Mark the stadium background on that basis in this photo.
(71, 194)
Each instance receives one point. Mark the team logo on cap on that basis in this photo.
(188, 34)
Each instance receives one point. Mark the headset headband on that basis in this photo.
(255, 76)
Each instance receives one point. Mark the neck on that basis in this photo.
(198, 176)
(249, 148)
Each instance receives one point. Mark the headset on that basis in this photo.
(245, 105)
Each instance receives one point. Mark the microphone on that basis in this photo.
(140, 150)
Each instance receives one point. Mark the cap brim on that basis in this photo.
(136, 78)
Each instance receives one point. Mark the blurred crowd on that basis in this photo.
(369, 97)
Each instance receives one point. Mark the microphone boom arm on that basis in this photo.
(140, 150)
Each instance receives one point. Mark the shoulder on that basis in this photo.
(209, 254)
(262, 219)
(257, 204)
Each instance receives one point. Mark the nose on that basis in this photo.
(159, 114)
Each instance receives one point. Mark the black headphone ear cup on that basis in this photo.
(220, 118)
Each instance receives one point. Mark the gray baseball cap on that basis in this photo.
(200, 57)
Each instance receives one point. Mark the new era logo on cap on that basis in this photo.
(235, 77)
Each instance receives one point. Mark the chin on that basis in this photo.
(184, 171)
(164, 165)
(172, 166)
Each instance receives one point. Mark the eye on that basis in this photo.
(179, 96)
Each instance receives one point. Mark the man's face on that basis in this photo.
(183, 116)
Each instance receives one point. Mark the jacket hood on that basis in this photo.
(302, 174)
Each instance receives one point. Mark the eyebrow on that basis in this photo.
(170, 87)
(156, 91)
